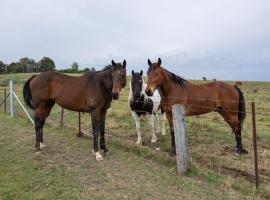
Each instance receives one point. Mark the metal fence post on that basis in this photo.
(11, 98)
(255, 146)
(180, 138)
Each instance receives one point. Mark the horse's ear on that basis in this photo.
(159, 61)
(141, 73)
(149, 62)
(124, 64)
(132, 72)
(113, 63)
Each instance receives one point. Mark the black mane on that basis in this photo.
(177, 79)
(108, 67)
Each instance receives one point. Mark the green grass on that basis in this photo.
(66, 169)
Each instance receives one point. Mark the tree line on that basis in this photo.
(28, 65)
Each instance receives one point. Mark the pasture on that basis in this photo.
(66, 169)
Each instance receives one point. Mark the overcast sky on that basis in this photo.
(223, 39)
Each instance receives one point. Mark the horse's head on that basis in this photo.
(154, 75)
(137, 85)
(119, 78)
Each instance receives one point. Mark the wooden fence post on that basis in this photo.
(5, 103)
(180, 138)
(255, 146)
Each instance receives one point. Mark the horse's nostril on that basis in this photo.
(115, 95)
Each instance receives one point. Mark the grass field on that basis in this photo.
(67, 170)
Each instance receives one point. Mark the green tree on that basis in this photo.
(29, 65)
(16, 67)
(46, 64)
(75, 67)
(2, 67)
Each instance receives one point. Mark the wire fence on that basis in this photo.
(210, 144)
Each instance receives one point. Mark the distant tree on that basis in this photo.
(86, 69)
(204, 78)
(74, 67)
(29, 65)
(16, 67)
(2, 67)
(92, 69)
(46, 64)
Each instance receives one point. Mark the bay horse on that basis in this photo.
(141, 104)
(226, 99)
(92, 93)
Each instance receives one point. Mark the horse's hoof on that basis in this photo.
(38, 153)
(172, 152)
(42, 146)
(139, 142)
(241, 151)
(105, 150)
(99, 157)
(153, 140)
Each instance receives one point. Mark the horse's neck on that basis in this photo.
(105, 79)
(168, 86)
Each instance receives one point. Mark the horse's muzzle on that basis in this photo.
(115, 95)
(149, 92)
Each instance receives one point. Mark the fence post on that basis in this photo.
(255, 146)
(11, 98)
(180, 138)
(5, 103)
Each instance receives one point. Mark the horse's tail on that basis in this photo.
(241, 106)
(27, 93)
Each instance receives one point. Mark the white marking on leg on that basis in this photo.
(151, 119)
(42, 146)
(138, 127)
(157, 122)
(164, 124)
(99, 156)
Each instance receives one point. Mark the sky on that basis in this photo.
(222, 39)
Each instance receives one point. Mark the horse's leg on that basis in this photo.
(42, 145)
(151, 120)
(164, 124)
(102, 132)
(138, 127)
(39, 123)
(95, 115)
(170, 120)
(236, 127)
(157, 122)
(235, 124)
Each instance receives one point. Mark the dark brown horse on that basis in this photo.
(226, 99)
(92, 92)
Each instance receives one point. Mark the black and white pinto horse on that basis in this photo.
(142, 104)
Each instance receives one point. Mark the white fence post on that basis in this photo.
(11, 98)
(180, 138)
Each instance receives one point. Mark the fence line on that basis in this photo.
(16, 97)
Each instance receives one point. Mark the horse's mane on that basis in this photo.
(108, 67)
(177, 79)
